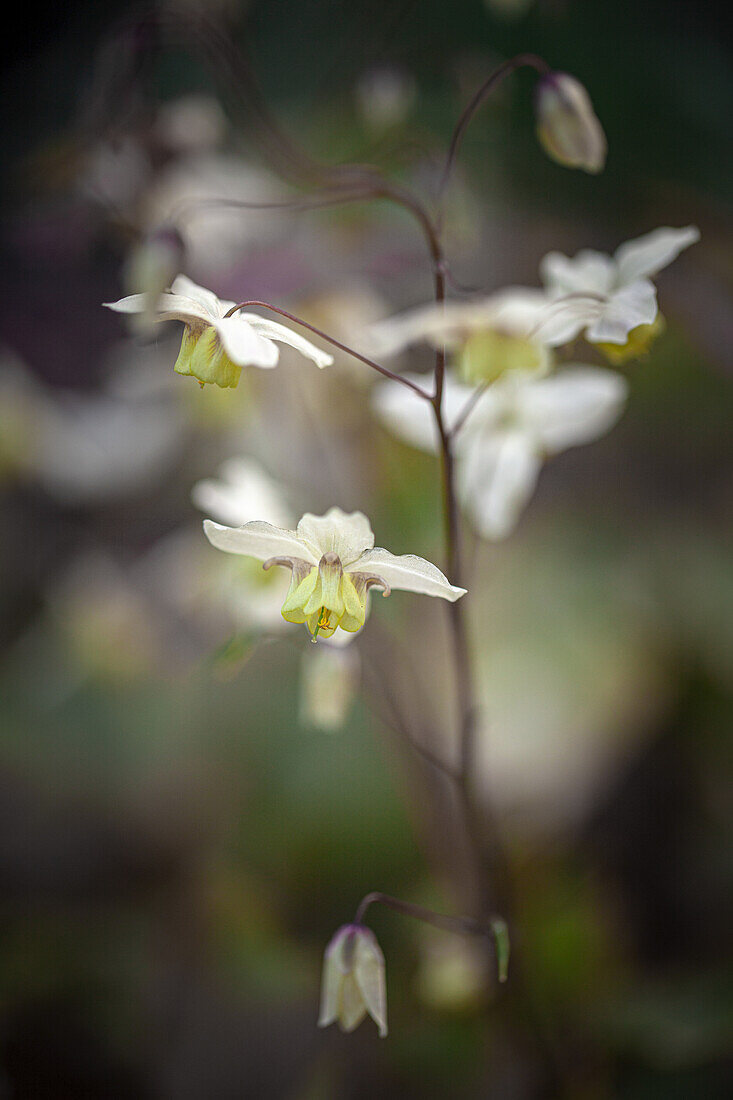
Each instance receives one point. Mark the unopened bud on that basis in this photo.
(567, 126)
(353, 980)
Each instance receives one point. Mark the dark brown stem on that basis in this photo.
(336, 343)
(472, 107)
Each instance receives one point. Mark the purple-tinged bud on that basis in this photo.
(567, 126)
(353, 980)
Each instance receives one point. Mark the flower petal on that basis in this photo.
(369, 974)
(241, 492)
(631, 306)
(408, 572)
(575, 406)
(259, 540)
(496, 480)
(410, 417)
(243, 345)
(588, 270)
(347, 534)
(647, 255)
(169, 307)
(271, 330)
(206, 299)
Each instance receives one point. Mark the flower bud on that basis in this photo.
(353, 980)
(567, 126)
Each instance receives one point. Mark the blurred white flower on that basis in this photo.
(242, 491)
(384, 97)
(328, 683)
(516, 423)
(567, 126)
(610, 296)
(516, 312)
(198, 193)
(334, 564)
(115, 172)
(353, 980)
(191, 123)
(216, 347)
(84, 447)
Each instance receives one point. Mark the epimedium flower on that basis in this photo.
(567, 126)
(610, 298)
(334, 564)
(215, 347)
(505, 331)
(515, 424)
(353, 980)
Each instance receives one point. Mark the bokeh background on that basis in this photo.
(179, 836)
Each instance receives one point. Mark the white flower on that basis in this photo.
(611, 295)
(216, 347)
(83, 447)
(242, 491)
(516, 423)
(334, 563)
(515, 311)
(353, 980)
(567, 126)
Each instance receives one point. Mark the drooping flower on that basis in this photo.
(334, 564)
(567, 126)
(353, 980)
(516, 423)
(216, 347)
(612, 296)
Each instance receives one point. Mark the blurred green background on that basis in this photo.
(178, 842)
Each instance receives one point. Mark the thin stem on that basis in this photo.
(462, 925)
(468, 408)
(336, 343)
(472, 107)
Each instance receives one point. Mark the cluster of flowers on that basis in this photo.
(504, 407)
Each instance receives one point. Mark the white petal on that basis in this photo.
(562, 319)
(408, 572)
(243, 491)
(631, 306)
(347, 534)
(169, 307)
(271, 330)
(575, 406)
(410, 417)
(647, 255)
(244, 345)
(352, 1009)
(587, 271)
(406, 414)
(369, 973)
(258, 540)
(330, 988)
(207, 300)
(496, 480)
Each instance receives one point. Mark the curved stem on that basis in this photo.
(336, 343)
(507, 67)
